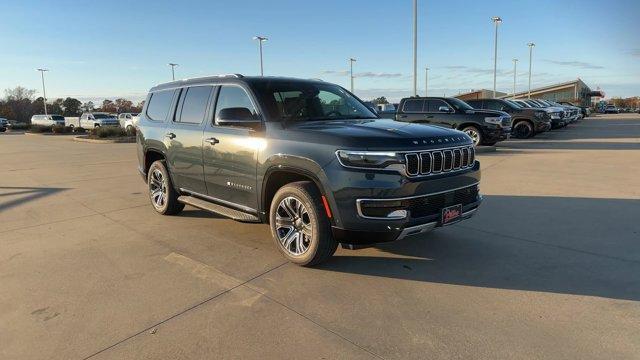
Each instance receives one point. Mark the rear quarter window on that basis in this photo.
(159, 105)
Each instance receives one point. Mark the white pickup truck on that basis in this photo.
(92, 120)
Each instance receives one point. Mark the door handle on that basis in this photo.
(170, 135)
(403, 116)
(430, 117)
(211, 140)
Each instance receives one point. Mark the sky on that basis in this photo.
(121, 48)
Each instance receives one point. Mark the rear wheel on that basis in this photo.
(474, 133)
(522, 129)
(163, 196)
(299, 225)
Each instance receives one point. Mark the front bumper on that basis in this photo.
(348, 188)
(542, 126)
(499, 134)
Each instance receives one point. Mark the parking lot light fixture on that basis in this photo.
(515, 66)
(531, 46)
(426, 80)
(415, 47)
(44, 92)
(261, 39)
(497, 21)
(351, 61)
(173, 74)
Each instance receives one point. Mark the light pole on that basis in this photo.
(415, 47)
(44, 92)
(531, 46)
(351, 61)
(260, 39)
(515, 66)
(426, 80)
(496, 20)
(173, 73)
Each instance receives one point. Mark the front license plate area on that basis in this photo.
(451, 214)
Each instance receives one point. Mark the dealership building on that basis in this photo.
(576, 92)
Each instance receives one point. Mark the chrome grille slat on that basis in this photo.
(433, 162)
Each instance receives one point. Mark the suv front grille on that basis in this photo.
(420, 206)
(439, 161)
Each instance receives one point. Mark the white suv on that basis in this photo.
(96, 119)
(47, 120)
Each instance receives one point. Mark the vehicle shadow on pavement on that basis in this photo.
(11, 196)
(594, 252)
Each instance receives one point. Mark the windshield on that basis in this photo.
(291, 100)
(459, 104)
(102, 116)
(515, 104)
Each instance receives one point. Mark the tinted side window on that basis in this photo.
(194, 105)
(233, 97)
(434, 105)
(414, 105)
(476, 104)
(493, 105)
(159, 105)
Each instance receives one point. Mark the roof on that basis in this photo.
(548, 88)
(226, 78)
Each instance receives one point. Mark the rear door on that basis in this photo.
(184, 138)
(412, 111)
(231, 152)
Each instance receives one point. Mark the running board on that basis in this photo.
(218, 209)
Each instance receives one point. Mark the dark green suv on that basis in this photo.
(305, 156)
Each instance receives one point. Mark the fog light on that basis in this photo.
(401, 214)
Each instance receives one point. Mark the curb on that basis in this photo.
(485, 149)
(84, 138)
(46, 134)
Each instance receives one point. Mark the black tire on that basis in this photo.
(320, 245)
(523, 129)
(474, 133)
(170, 204)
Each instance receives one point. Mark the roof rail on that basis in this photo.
(229, 75)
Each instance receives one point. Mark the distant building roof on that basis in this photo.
(549, 88)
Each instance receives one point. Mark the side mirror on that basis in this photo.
(237, 116)
(445, 109)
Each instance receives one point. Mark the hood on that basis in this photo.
(375, 134)
(485, 112)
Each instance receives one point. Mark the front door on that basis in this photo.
(184, 138)
(439, 116)
(231, 153)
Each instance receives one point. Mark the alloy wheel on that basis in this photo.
(293, 226)
(475, 136)
(158, 189)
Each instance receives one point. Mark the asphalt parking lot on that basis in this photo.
(549, 268)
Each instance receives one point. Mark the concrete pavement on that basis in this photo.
(549, 268)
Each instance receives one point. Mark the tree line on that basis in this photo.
(20, 104)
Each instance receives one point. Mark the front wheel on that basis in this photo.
(474, 133)
(163, 196)
(299, 225)
(523, 130)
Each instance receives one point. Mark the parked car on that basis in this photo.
(304, 156)
(96, 119)
(3, 124)
(585, 110)
(485, 127)
(47, 120)
(573, 112)
(127, 121)
(611, 109)
(556, 114)
(525, 122)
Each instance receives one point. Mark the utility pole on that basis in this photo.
(426, 80)
(496, 20)
(173, 74)
(261, 39)
(415, 47)
(351, 61)
(515, 66)
(531, 46)
(44, 92)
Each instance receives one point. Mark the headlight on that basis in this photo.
(369, 159)
(493, 120)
